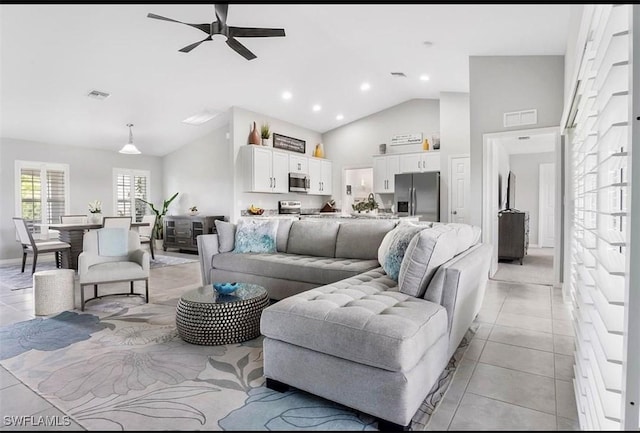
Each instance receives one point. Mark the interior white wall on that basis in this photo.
(200, 172)
(500, 84)
(90, 178)
(355, 143)
(527, 170)
(454, 139)
(242, 124)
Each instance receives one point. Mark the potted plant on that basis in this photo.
(265, 133)
(193, 210)
(368, 206)
(159, 215)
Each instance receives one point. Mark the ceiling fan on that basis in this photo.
(220, 27)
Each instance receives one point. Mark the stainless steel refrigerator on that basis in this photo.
(418, 194)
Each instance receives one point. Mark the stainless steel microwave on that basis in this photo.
(299, 182)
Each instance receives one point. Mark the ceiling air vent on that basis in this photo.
(97, 94)
(399, 74)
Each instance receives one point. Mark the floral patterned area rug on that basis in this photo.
(124, 367)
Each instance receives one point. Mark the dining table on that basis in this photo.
(73, 234)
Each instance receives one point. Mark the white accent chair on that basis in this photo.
(31, 246)
(73, 219)
(95, 268)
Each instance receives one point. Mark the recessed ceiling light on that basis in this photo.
(286, 95)
(365, 86)
(424, 77)
(317, 107)
(399, 74)
(339, 117)
(201, 117)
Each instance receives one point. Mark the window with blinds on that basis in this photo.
(131, 185)
(43, 192)
(599, 144)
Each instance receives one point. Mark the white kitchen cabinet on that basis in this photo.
(385, 168)
(298, 164)
(419, 161)
(265, 170)
(320, 175)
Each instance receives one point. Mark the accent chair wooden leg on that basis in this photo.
(151, 248)
(131, 286)
(35, 260)
(146, 290)
(81, 297)
(95, 290)
(24, 259)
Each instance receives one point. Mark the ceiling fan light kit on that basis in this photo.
(130, 148)
(220, 27)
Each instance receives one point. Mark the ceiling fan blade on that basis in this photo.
(204, 27)
(192, 46)
(252, 32)
(240, 49)
(221, 12)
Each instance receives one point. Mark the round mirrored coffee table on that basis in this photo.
(205, 317)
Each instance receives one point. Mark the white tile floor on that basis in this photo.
(516, 374)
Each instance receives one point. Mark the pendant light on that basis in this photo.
(130, 148)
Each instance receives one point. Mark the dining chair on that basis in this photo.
(146, 232)
(112, 255)
(73, 219)
(29, 245)
(112, 222)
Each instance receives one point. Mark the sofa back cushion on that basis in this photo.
(282, 237)
(393, 247)
(425, 253)
(361, 239)
(467, 235)
(313, 238)
(256, 236)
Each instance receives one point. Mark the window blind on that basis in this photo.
(43, 192)
(599, 146)
(131, 185)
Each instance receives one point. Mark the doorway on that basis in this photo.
(358, 184)
(531, 157)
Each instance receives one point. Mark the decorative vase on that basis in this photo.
(254, 137)
(425, 144)
(319, 151)
(95, 218)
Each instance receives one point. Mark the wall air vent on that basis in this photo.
(517, 118)
(398, 74)
(524, 137)
(96, 94)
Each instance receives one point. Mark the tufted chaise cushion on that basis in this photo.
(362, 319)
(309, 269)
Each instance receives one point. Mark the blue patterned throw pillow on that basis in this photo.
(393, 246)
(256, 236)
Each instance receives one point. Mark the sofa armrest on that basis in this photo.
(207, 248)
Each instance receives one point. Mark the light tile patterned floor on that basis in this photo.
(516, 374)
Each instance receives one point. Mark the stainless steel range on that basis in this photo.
(292, 207)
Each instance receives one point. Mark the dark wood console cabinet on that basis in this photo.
(513, 234)
(182, 231)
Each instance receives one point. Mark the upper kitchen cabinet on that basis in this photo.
(320, 176)
(298, 164)
(385, 168)
(265, 169)
(419, 161)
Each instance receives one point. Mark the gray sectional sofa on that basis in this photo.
(343, 329)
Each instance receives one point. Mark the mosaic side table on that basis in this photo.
(205, 317)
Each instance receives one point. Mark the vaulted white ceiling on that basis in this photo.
(52, 56)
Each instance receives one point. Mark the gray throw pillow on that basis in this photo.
(226, 236)
(393, 247)
(426, 252)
